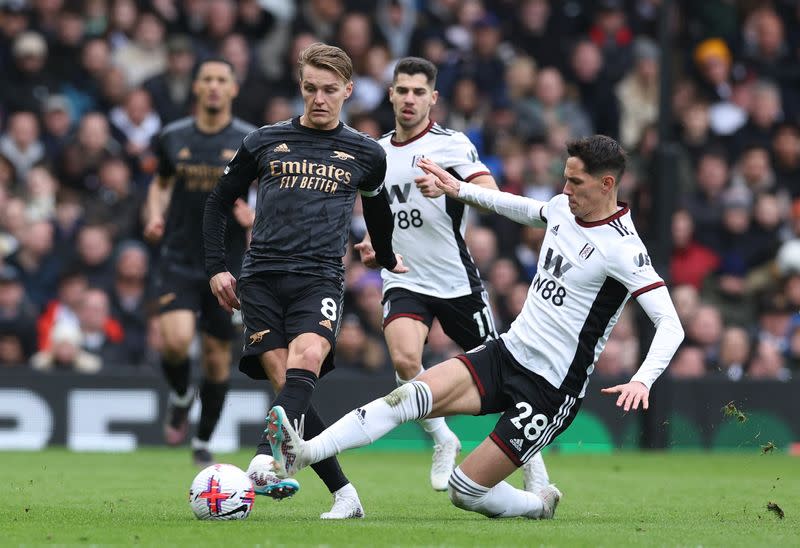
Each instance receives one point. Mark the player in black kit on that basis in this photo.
(309, 170)
(192, 152)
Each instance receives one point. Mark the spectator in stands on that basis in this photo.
(171, 90)
(102, 335)
(253, 87)
(638, 93)
(764, 116)
(705, 332)
(713, 61)
(20, 144)
(28, 81)
(597, 95)
(117, 202)
(691, 261)
(56, 125)
(734, 353)
(134, 123)
(72, 286)
(320, 18)
(396, 20)
(786, 158)
(753, 171)
(37, 261)
(66, 353)
(688, 363)
(612, 34)
(705, 203)
(535, 33)
(17, 319)
(551, 107)
(40, 193)
(94, 246)
(768, 363)
(145, 55)
(695, 133)
(65, 51)
(219, 20)
(127, 298)
(15, 19)
(82, 156)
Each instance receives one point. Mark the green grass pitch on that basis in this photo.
(623, 499)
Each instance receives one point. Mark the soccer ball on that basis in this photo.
(222, 492)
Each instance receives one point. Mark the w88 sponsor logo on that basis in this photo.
(549, 290)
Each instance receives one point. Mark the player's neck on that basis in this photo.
(401, 134)
(305, 122)
(602, 212)
(212, 122)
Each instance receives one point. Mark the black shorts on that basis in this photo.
(534, 412)
(177, 288)
(277, 307)
(468, 320)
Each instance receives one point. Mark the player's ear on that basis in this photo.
(608, 183)
(348, 89)
(235, 89)
(434, 97)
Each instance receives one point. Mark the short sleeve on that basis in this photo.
(630, 264)
(462, 157)
(372, 183)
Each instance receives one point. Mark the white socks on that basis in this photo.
(366, 424)
(501, 501)
(437, 427)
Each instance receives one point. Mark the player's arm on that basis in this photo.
(379, 220)
(155, 207)
(649, 290)
(520, 209)
(235, 180)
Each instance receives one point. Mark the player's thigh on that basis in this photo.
(452, 388)
(537, 414)
(467, 320)
(405, 338)
(263, 321)
(313, 306)
(487, 465)
(177, 329)
(274, 362)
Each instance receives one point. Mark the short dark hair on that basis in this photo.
(600, 154)
(416, 65)
(221, 60)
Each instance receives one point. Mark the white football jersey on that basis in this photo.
(429, 233)
(586, 273)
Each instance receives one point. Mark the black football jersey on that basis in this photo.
(196, 161)
(307, 185)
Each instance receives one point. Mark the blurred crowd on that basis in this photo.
(87, 84)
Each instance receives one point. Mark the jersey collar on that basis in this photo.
(297, 125)
(414, 138)
(620, 212)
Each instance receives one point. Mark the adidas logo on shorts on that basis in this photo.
(517, 443)
(327, 323)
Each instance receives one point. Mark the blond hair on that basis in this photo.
(323, 56)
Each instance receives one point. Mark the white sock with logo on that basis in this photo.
(501, 501)
(437, 427)
(370, 422)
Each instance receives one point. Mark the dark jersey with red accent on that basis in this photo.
(195, 160)
(586, 274)
(307, 185)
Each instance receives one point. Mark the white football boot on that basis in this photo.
(444, 462)
(534, 474)
(346, 504)
(550, 496)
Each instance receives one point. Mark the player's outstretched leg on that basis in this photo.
(446, 446)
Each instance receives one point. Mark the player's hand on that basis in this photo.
(367, 253)
(443, 180)
(399, 268)
(244, 214)
(630, 395)
(154, 230)
(223, 286)
(427, 186)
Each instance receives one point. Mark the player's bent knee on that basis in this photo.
(414, 400)
(463, 500)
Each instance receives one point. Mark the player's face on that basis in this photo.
(412, 97)
(324, 93)
(215, 87)
(587, 194)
